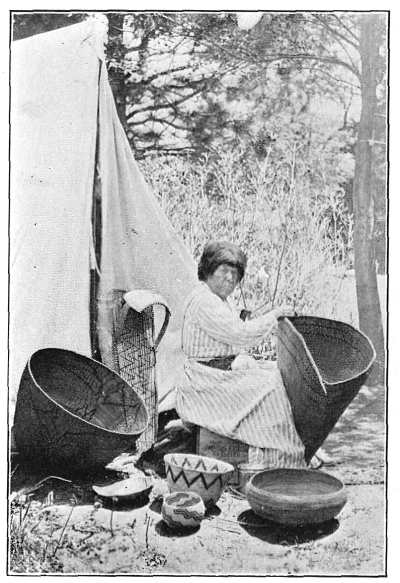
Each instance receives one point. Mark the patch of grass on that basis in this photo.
(153, 558)
(32, 546)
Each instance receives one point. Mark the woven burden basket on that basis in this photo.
(323, 364)
(73, 413)
(134, 349)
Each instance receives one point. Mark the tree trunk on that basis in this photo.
(116, 57)
(369, 311)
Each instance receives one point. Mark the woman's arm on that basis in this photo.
(217, 319)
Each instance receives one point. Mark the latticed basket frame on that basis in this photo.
(134, 359)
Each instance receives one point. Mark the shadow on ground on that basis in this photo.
(279, 534)
(357, 444)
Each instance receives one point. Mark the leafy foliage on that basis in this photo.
(187, 79)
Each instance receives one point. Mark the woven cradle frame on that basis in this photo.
(323, 364)
(75, 414)
(134, 358)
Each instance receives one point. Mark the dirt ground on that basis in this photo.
(61, 528)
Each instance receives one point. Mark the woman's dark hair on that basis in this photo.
(217, 252)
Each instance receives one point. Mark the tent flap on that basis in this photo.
(61, 106)
(54, 91)
(140, 249)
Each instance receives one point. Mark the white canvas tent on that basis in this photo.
(64, 131)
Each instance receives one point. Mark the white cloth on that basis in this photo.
(54, 79)
(140, 249)
(62, 105)
(248, 405)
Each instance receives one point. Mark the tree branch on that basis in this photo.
(163, 151)
(334, 32)
(330, 76)
(351, 33)
(339, 38)
(192, 83)
(154, 107)
(165, 121)
(163, 73)
(172, 124)
(308, 57)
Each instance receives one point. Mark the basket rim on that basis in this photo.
(308, 498)
(111, 431)
(346, 324)
(227, 467)
(310, 356)
(147, 485)
(186, 493)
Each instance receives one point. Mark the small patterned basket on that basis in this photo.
(183, 510)
(203, 475)
(323, 364)
(75, 414)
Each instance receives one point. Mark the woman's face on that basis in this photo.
(224, 280)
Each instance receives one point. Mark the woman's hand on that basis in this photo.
(244, 362)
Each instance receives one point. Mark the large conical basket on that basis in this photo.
(323, 364)
(74, 414)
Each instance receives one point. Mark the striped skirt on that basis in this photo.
(248, 405)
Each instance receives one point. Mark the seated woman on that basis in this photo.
(225, 390)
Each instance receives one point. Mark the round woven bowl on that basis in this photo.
(73, 414)
(183, 510)
(203, 475)
(295, 497)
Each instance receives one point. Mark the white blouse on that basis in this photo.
(212, 327)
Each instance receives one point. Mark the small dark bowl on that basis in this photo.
(295, 497)
(125, 490)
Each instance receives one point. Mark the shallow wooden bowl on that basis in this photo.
(294, 496)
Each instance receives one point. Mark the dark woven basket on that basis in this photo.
(75, 414)
(323, 364)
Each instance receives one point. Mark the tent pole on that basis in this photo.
(96, 233)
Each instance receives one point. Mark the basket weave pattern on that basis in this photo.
(205, 476)
(74, 413)
(134, 360)
(323, 364)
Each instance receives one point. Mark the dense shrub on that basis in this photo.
(286, 219)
